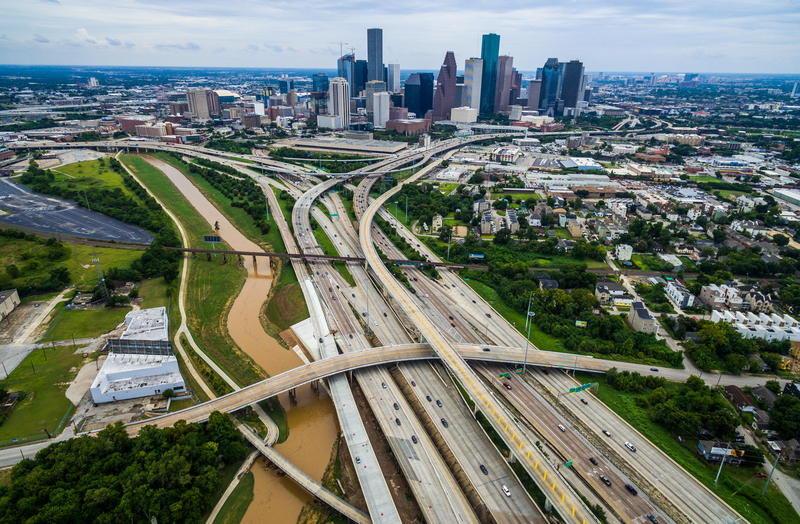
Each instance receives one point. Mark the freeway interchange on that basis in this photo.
(410, 354)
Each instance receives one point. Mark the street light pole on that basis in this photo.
(528, 338)
(87, 200)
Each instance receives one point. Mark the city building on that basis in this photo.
(623, 252)
(534, 92)
(551, 84)
(473, 75)
(641, 320)
(375, 54)
(393, 77)
(339, 100)
(359, 77)
(506, 154)
(436, 224)
(380, 109)
(409, 126)
(9, 299)
(679, 295)
(320, 83)
(444, 99)
(373, 86)
(490, 53)
(572, 87)
(346, 68)
(502, 90)
(203, 104)
(419, 94)
(607, 291)
(466, 115)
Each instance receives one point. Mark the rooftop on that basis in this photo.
(146, 324)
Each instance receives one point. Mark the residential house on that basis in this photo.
(761, 420)
(623, 252)
(566, 245)
(764, 394)
(436, 223)
(513, 221)
(679, 295)
(740, 399)
(547, 283)
(575, 229)
(641, 320)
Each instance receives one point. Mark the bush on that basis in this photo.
(168, 393)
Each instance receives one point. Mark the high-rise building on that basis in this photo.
(393, 77)
(473, 76)
(419, 93)
(380, 107)
(346, 68)
(572, 83)
(375, 54)
(551, 84)
(373, 86)
(516, 87)
(285, 85)
(339, 100)
(490, 51)
(360, 77)
(444, 99)
(795, 91)
(461, 95)
(203, 103)
(502, 90)
(320, 82)
(534, 91)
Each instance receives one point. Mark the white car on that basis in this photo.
(506, 491)
(630, 446)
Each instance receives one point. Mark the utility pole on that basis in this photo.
(528, 338)
(406, 209)
(770, 473)
(722, 463)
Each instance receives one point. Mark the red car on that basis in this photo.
(507, 385)
(761, 475)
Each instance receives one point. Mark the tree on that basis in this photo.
(476, 179)
(548, 220)
(774, 386)
(502, 237)
(786, 416)
(445, 233)
(12, 271)
(780, 240)
(168, 393)
(719, 236)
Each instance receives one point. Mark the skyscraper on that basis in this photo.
(320, 82)
(393, 78)
(572, 84)
(346, 68)
(373, 86)
(502, 90)
(473, 76)
(359, 77)
(444, 99)
(380, 107)
(551, 84)
(339, 100)
(419, 93)
(490, 50)
(534, 91)
(375, 54)
(203, 103)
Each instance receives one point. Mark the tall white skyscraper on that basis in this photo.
(339, 100)
(473, 72)
(380, 108)
(393, 78)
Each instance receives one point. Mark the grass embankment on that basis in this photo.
(226, 476)
(287, 306)
(538, 338)
(91, 174)
(774, 508)
(85, 324)
(235, 507)
(32, 259)
(211, 286)
(329, 249)
(44, 376)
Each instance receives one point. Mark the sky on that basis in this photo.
(702, 36)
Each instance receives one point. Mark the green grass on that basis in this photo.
(446, 187)
(727, 193)
(153, 293)
(329, 249)
(539, 339)
(211, 286)
(703, 178)
(226, 475)
(90, 175)
(85, 324)
(287, 306)
(45, 390)
(30, 257)
(651, 263)
(747, 501)
(235, 507)
(177, 405)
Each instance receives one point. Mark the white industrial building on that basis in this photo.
(140, 363)
(464, 115)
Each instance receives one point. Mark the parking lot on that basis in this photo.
(30, 210)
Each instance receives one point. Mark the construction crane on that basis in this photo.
(341, 47)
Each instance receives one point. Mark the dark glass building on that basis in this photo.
(419, 93)
(320, 83)
(375, 54)
(490, 52)
(359, 77)
(572, 84)
(551, 84)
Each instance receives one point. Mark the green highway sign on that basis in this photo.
(504, 375)
(334, 214)
(580, 388)
(568, 464)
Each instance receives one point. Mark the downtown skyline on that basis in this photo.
(679, 36)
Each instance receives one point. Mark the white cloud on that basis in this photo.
(188, 46)
(84, 36)
(41, 39)
(113, 41)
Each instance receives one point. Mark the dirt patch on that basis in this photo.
(83, 381)
(402, 496)
(18, 319)
(290, 339)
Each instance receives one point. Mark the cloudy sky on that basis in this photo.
(734, 36)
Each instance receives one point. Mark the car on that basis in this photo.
(397, 421)
(761, 475)
(488, 315)
(653, 369)
(484, 470)
(413, 383)
(562, 428)
(351, 335)
(584, 401)
(593, 460)
(438, 402)
(376, 322)
(444, 423)
(507, 386)
(462, 294)
(631, 489)
(630, 446)
(428, 397)
(606, 433)
(414, 439)
(396, 405)
(473, 302)
(652, 518)
(451, 317)
(486, 349)
(506, 491)
(545, 372)
(330, 289)
(452, 324)
(383, 385)
(605, 480)
(385, 315)
(358, 460)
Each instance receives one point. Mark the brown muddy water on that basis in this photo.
(312, 421)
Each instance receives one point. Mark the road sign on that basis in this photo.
(568, 464)
(212, 238)
(580, 388)
(334, 214)
(518, 371)
(504, 375)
